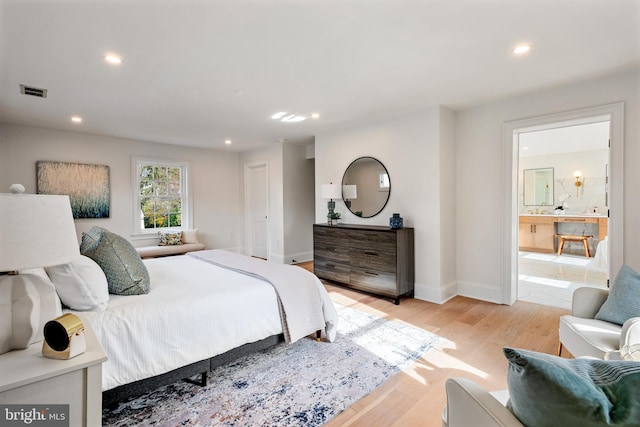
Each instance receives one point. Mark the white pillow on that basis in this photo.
(81, 284)
(190, 236)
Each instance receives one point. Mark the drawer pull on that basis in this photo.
(371, 253)
(331, 265)
(370, 273)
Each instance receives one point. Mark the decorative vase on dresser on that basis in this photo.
(396, 221)
(375, 259)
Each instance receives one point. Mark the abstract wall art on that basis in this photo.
(86, 185)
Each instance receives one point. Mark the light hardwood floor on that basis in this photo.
(475, 333)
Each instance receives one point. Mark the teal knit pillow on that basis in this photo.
(623, 301)
(549, 391)
(126, 273)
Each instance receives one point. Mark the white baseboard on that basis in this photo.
(437, 296)
(299, 257)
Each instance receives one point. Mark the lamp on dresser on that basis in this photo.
(331, 191)
(35, 231)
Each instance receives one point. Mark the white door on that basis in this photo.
(257, 197)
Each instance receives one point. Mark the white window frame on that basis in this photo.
(186, 215)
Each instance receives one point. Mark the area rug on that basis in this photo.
(303, 384)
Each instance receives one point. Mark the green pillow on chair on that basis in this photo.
(623, 301)
(549, 391)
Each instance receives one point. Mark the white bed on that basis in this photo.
(194, 311)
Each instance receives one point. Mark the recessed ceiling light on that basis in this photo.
(523, 48)
(288, 118)
(76, 119)
(113, 59)
(315, 115)
(293, 118)
(227, 141)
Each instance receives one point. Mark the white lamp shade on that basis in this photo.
(36, 231)
(331, 191)
(349, 192)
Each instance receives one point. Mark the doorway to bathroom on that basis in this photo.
(563, 203)
(510, 203)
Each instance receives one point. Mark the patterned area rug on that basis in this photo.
(304, 384)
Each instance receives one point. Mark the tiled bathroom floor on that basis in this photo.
(550, 279)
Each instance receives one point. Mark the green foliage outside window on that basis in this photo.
(160, 196)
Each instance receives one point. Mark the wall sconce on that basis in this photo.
(579, 182)
(331, 191)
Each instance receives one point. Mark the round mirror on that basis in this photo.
(366, 187)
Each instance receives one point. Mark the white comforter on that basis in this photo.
(194, 311)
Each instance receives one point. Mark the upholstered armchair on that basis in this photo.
(468, 404)
(583, 335)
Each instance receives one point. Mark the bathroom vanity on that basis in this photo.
(537, 231)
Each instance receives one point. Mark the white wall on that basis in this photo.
(417, 150)
(479, 163)
(299, 203)
(591, 195)
(291, 199)
(216, 208)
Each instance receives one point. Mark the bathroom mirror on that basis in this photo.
(538, 187)
(366, 187)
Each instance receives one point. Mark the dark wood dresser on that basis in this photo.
(369, 258)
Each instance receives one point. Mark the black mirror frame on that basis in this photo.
(388, 195)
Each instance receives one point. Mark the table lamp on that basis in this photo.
(331, 191)
(35, 231)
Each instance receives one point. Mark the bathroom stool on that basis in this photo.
(565, 237)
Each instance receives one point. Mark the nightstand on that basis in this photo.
(30, 378)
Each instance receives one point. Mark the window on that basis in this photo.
(384, 181)
(160, 195)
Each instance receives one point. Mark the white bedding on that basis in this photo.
(194, 311)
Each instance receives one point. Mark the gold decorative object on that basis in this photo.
(64, 337)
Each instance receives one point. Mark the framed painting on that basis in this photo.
(86, 185)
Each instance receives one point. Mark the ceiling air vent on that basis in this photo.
(33, 91)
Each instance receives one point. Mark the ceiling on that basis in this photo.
(198, 72)
(569, 138)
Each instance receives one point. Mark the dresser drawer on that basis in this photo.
(330, 236)
(331, 252)
(377, 240)
(331, 270)
(374, 259)
(373, 280)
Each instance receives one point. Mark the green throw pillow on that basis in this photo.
(170, 238)
(126, 273)
(623, 301)
(549, 391)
